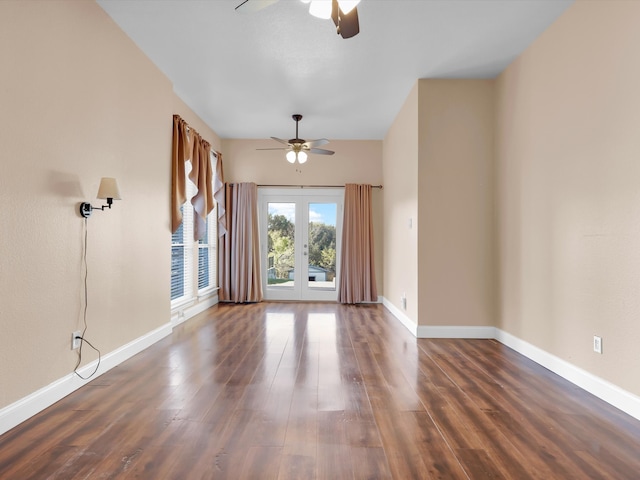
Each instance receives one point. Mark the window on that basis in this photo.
(180, 264)
(182, 249)
(207, 277)
(191, 274)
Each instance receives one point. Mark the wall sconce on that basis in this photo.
(108, 191)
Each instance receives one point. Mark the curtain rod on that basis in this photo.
(191, 129)
(308, 186)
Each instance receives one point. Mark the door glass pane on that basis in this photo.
(322, 246)
(281, 245)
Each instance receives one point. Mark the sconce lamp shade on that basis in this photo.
(108, 189)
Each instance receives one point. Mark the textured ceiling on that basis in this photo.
(245, 74)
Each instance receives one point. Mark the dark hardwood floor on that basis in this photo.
(319, 390)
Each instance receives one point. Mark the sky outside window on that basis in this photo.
(318, 212)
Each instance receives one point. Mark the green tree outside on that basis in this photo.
(322, 247)
(281, 241)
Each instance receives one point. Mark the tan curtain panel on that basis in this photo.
(219, 196)
(357, 281)
(239, 247)
(188, 145)
(201, 176)
(181, 152)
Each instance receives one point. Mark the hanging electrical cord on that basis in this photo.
(84, 314)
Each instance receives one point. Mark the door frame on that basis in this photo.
(301, 197)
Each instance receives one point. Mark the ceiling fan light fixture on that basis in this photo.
(299, 149)
(320, 9)
(347, 5)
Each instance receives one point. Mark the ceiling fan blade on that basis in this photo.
(316, 143)
(347, 25)
(250, 6)
(280, 140)
(298, 145)
(321, 151)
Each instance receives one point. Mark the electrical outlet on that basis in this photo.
(597, 344)
(403, 299)
(75, 340)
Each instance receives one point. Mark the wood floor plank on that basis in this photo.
(332, 428)
(334, 462)
(321, 390)
(362, 431)
(400, 446)
(437, 456)
(261, 462)
(511, 457)
(298, 461)
(370, 463)
(478, 463)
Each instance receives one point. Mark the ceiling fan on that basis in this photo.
(298, 148)
(343, 12)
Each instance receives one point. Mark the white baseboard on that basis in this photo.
(434, 331)
(182, 315)
(404, 320)
(604, 390)
(16, 413)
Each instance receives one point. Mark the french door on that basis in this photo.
(300, 233)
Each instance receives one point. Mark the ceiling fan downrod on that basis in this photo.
(297, 117)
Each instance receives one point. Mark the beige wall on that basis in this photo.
(79, 101)
(354, 161)
(195, 122)
(438, 160)
(400, 171)
(455, 219)
(568, 191)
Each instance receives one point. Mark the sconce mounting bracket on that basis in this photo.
(85, 209)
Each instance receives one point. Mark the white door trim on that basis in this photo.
(301, 197)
